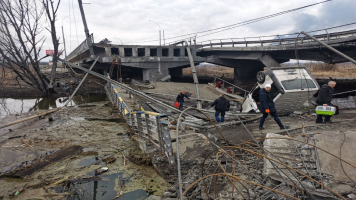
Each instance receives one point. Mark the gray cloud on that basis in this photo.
(128, 19)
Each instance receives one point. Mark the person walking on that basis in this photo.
(267, 107)
(221, 106)
(180, 99)
(324, 99)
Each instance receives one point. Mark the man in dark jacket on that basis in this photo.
(180, 99)
(267, 107)
(324, 99)
(221, 105)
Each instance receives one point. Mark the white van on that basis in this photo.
(291, 88)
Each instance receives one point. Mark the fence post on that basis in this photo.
(168, 143)
(149, 133)
(159, 132)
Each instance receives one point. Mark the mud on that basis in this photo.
(105, 143)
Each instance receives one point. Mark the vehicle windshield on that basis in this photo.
(297, 84)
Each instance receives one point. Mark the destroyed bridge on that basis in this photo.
(152, 62)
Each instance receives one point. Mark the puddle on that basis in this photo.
(78, 118)
(100, 187)
(87, 162)
(10, 106)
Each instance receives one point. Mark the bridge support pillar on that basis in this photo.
(154, 74)
(121, 52)
(146, 74)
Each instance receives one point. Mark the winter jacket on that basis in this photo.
(180, 97)
(266, 102)
(325, 95)
(221, 104)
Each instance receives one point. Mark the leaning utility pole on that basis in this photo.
(194, 72)
(86, 30)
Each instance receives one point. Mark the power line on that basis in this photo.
(240, 23)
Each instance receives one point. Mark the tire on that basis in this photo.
(261, 77)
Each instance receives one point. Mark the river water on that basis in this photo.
(11, 106)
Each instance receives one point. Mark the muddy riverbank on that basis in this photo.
(65, 84)
(92, 137)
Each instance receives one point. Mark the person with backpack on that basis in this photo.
(221, 106)
(267, 107)
(324, 99)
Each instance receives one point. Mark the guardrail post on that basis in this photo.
(139, 123)
(139, 105)
(133, 99)
(220, 43)
(233, 45)
(168, 143)
(159, 133)
(149, 133)
(245, 41)
(132, 120)
(127, 117)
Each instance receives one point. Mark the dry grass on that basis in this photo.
(318, 69)
(324, 70)
(210, 71)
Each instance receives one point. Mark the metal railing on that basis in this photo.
(80, 48)
(148, 125)
(286, 39)
(230, 85)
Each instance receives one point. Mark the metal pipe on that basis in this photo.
(330, 48)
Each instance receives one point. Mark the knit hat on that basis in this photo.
(268, 85)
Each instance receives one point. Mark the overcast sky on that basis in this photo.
(128, 20)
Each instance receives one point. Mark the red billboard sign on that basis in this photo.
(51, 52)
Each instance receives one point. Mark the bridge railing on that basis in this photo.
(147, 125)
(80, 49)
(274, 39)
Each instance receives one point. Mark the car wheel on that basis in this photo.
(261, 76)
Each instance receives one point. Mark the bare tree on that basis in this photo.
(51, 11)
(20, 40)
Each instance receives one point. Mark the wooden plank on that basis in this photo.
(40, 163)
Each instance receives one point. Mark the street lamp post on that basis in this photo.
(119, 39)
(159, 31)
